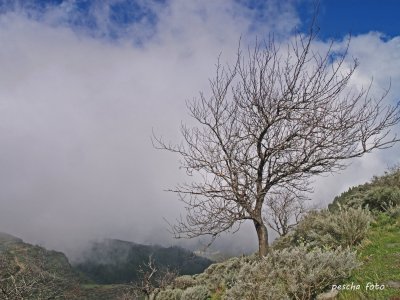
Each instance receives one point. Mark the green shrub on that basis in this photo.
(183, 282)
(223, 274)
(169, 294)
(391, 177)
(295, 273)
(379, 194)
(199, 292)
(394, 212)
(382, 198)
(352, 198)
(332, 230)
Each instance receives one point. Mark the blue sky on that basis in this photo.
(339, 17)
(336, 17)
(84, 83)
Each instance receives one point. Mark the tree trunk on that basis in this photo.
(262, 235)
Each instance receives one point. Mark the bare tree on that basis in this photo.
(284, 210)
(147, 273)
(151, 278)
(276, 117)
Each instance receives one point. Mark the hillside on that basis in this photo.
(380, 257)
(115, 261)
(32, 272)
(379, 194)
(356, 242)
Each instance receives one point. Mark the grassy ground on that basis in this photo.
(102, 291)
(380, 255)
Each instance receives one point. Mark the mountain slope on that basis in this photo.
(115, 261)
(32, 272)
(379, 194)
(321, 252)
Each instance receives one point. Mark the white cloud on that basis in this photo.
(379, 62)
(76, 161)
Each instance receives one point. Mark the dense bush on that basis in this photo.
(215, 279)
(183, 282)
(295, 273)
(169, 294)
(394, 212)
(390, 178)
(382, 198)
(332, 230)
(223, 274)
(199, 292)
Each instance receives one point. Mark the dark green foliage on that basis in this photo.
(353, 197)
(115, 261)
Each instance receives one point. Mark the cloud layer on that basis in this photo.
(77, 109)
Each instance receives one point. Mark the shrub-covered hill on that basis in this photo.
(32, 272)
(115, 261)
(356, 241)
(379, 194)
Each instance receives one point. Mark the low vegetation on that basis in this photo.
(31, 272)
(116, 270)
(380, 194)
(379, 254)
(342, 228)
(292, 273)
(355, 241)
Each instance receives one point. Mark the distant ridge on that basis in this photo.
(116, 261)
